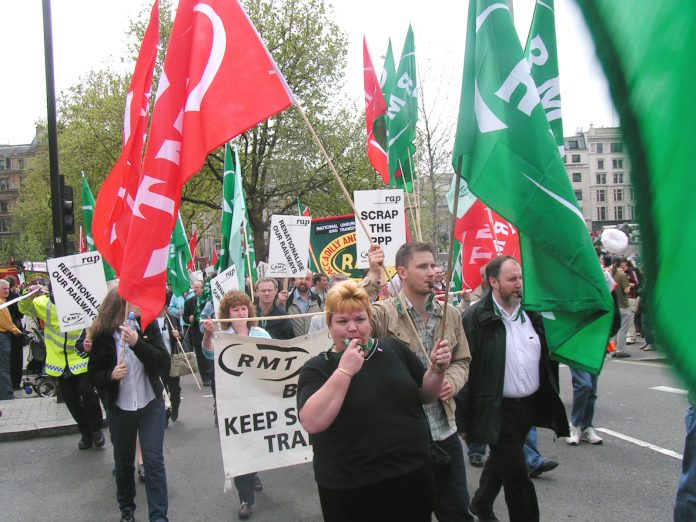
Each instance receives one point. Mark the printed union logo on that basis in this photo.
(71, 319)
(277, 267)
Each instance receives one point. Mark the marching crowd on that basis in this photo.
(388, 407)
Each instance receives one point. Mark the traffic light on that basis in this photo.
(67, 207)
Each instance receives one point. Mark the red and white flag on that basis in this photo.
(483, 235)
(375, 112)
(114, 206)
(83, 243)
(193, 244)
(218, 81)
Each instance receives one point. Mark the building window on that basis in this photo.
(618, 177)
(21, 164)
(8, 164)
(601, 213)
(577, 177)
(618, 213)
(618, 195)
(4, 225)
(616, 147)
(575, 158)
(4, 207)
(578, 195)
(600, 148)
(601, 178)
(4, 184)
(2, 164)
(572, 144)
(565, 159)
(600, 164)
(601, 195)
(617, 164)
(629, 212)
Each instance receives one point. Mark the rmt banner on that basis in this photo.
(221, 284)
(79, 286)
(256, 387)
(382, 211)
(288, 254)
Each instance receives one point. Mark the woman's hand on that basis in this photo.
(441, 355)
(208, 326)
(176, 334)
(129, 336)
(352, 359)
(87, 345)
(120, 371)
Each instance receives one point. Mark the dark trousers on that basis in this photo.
(82, 401)
(408, 497)
(173, 387)
(16, 361)
(147, 423)
(506, 466)
(452, 503)
(245, 488)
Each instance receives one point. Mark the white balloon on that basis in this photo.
(614, 241)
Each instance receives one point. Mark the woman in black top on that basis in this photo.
(361, 404)
(126, 364)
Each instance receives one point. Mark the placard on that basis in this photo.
(383, 213)
(79, 286)
(221, 284)
(288, 254)
(256, 387)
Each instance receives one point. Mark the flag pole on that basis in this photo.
(248, 259)
(450, 253)
(181, 348)
(416, 193)
(357, 216)
(491, 223)
(410, 204)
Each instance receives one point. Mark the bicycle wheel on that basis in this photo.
(46, 388)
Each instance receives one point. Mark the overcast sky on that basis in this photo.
(91, 34)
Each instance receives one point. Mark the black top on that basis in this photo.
(279, 328)
(381, 431)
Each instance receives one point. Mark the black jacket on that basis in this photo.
(149, 349)
(480, 401)
(279, 328)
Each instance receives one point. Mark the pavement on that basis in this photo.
(30, 416)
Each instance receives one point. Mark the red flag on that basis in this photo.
(214, 261)
(479, 241)
(375, 111)
(193, 243)
(114, 205)
(217, 82)
(83, 244)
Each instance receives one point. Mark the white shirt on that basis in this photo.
(161, 322)
(135, 391)
(522, 353)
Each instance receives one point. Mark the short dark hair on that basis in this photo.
(317, 277)
(406, 251)
(267, 280)
(616, 261)
(494, 266)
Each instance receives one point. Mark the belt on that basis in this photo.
(518, 399)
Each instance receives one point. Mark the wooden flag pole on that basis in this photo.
(357, 216)
(416, 193)
(181, 348)
(450, 253)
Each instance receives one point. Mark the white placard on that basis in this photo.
(196, 276)
(221, 284)
(79, 286)
(256, 387)
(383, 213)
(288, 254)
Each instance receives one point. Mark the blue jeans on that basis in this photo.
(476, 448)
(148, 423)
(685, 503)
(453, 502)
(6, 390)
(531, 452)
(584, 398)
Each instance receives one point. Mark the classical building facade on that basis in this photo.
(15, 162)
(600, 172)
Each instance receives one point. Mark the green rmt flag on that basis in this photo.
(505, 151)
(542, 55)
(402, 116)
(87, 213)
(235, 220)
(179, 258)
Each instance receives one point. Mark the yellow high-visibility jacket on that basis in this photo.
(61, 352)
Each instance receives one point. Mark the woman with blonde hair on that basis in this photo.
(361, 404)
(236, 305)
(125, 365)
